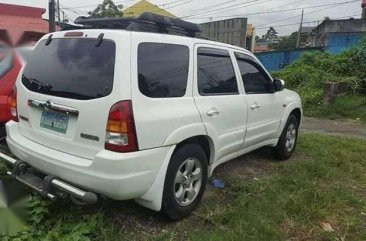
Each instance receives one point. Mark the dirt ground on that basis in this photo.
(335, 127)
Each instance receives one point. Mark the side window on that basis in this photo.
(216, 74)
(256, 80)
(163, 69)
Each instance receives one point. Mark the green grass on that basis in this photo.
(324, 182)
(347, 107)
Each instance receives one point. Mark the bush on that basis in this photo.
(308, 74)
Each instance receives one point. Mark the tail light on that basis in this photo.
(121, 133)
(12, 102)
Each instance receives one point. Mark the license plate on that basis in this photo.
(54, 121)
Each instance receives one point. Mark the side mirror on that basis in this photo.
(278, 85)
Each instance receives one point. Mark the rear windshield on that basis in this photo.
(71, 68)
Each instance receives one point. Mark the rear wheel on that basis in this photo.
(288, 140)
(185, 181)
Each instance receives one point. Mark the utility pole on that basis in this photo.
(58, 13)
(252, 49)
(51, 16)
(300, 30)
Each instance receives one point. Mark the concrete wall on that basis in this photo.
(230, 31)
(338, 26)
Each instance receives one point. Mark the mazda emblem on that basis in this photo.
(48, 105)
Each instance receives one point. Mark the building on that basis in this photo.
(250, 38)
(261, 46)
(306, 37)
(231, 31)
(145, 6)
(344, 26)
(21, 24)
(338, 35)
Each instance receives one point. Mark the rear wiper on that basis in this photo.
(70, 95)
(39, 83)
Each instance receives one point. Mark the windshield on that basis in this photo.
(71, 68)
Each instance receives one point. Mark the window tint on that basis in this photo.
(256, 81)
(163, 69)
(216, 74)
(71, 68)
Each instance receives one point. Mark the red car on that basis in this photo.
(11, 61)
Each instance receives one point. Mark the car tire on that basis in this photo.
(185, 181)
(288, 139)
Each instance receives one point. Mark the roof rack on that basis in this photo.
(145, 22)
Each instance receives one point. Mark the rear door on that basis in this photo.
(161, 81)
(66, 91)
(264, 105)
(219, 99)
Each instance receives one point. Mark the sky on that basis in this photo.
(283, 15)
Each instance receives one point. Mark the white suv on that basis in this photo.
(145, 116)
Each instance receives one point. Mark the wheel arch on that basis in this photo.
(297, 113)
(293, 108)
(205, 142)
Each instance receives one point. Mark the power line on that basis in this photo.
(225, 8)
(213, 6)
(183, 3)
(277, 11)
(314, 21)
(173, 2)
(316, 11)
(291, 3)
(94, 5)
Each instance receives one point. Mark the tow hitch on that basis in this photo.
(48, 186)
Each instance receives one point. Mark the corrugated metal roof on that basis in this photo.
(145, 6)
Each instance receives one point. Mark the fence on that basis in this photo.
(336, 43)
(276, 60)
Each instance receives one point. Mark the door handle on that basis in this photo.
(255, 106)
(213, 112)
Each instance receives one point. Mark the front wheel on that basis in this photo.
(185, 181)
(288, 140)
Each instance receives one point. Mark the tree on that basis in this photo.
(288, 42)
(106, 9)
(271, 36)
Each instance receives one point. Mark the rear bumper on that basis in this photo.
(119, 176)
(48, 186)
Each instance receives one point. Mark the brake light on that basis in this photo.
(12, 103)
(121, 133)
